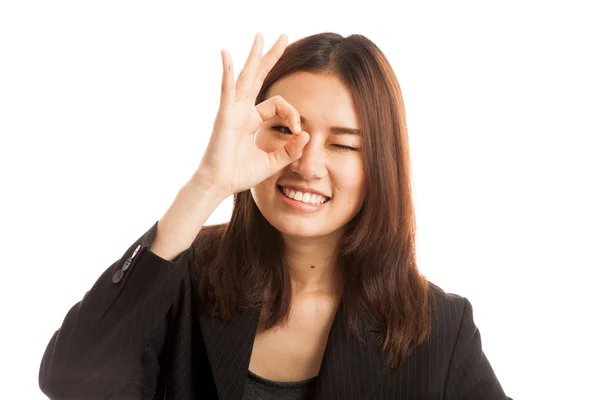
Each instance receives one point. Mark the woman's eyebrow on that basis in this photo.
(338, 130)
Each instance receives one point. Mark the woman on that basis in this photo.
(311, 290)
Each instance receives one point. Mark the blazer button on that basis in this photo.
(127, 264)
(117, 276)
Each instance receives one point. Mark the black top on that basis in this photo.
(259, 388)
(138, 333)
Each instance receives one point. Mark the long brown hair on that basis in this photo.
(242, 262)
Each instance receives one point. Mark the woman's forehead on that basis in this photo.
(319, 98)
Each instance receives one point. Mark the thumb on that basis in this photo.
(290, 152)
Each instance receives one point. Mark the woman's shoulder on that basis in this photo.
(209, 238)
(450, 310)
(206, 244)
(439, 295)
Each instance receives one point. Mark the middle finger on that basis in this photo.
(244, 82)
(268, 61)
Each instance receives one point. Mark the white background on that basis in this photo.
(106, 108)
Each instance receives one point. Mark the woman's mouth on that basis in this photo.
(308, 198)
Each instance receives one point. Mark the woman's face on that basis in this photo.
(328, 165)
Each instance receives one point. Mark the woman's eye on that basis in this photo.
(283, 129)
(286, 131)
(345, 148)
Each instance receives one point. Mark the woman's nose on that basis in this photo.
(311, 164)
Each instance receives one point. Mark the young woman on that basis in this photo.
(311, 290)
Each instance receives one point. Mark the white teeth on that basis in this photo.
(310, 198)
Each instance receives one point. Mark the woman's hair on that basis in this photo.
(240, 263)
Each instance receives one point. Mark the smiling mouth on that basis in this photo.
(280, 188)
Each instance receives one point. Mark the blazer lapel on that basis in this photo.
(350, 369)
(229, 346)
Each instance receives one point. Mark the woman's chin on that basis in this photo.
(300, 229)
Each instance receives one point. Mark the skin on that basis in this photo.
(311, 239)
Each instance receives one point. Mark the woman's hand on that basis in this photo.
(235, 160)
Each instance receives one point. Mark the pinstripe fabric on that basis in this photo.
(142, 337)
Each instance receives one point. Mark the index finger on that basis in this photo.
(278, 106)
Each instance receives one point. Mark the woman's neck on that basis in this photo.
(313, 265)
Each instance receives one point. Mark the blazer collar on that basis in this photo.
(350, 369)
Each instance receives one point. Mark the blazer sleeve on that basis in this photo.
(470, 375)
(117, 329)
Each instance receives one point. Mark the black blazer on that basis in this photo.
(137, 334)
